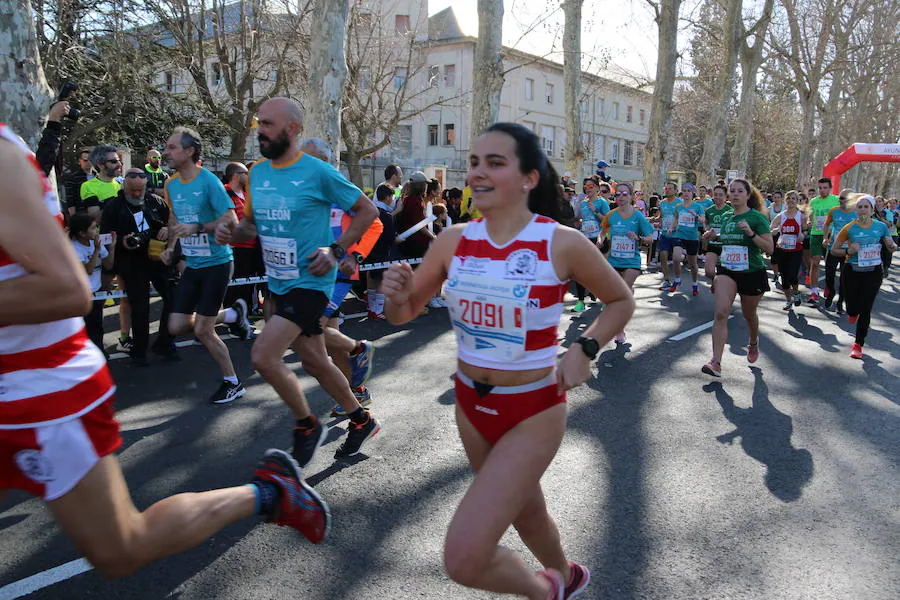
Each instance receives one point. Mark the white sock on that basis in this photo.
(231, 316)
(233, 380)
(379, 304)
(371, 295)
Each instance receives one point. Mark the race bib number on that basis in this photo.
(787, 241)
(140, 221)
(489, 319)
(820, 223)
(590, 228)
(736, 258)
(667, 222)
(686, 219)
(196, 245)
(280, 256)
(622, 247)
(869, 255)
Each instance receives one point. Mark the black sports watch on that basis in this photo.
(589, 346)
(359, 257)
(338, 251)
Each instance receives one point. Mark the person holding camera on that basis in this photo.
(139, 219)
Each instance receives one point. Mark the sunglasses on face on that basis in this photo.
(136, 176)
(621, 193)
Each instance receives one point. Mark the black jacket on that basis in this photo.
(120, 217)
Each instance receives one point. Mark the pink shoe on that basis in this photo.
(856, 351)
(557, 585)
(579, 577)
(713, 367)
(752, 352)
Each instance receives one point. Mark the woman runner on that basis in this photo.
(506, 277)
(788, 255)
(686, 237)
(715, 216)
(745, 236)
(626, 228)
(593, 208)
(865, 239)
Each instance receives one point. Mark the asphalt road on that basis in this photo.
(779, 481)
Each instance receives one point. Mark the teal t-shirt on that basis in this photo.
(687, 220)
(739, 252)
(291, 205)
(840, 219)
(891, 216)
(590, 225)
(667, 211)
(624, 252)
(705, 203)
(203, 199)
(869, 240)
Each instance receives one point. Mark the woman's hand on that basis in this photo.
(574, 369)
(745, 227)
(397, 283)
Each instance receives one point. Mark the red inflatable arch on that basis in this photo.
(856, 154)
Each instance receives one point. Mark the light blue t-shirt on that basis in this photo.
(687, 220)
(590, 225)
(869, 240)
(840, 219)
(624, 252)
(705, 204)
(203, 199)
(667, 211)
(291, 205)
(891, 216)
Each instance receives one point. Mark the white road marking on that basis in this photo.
(44, 579)
(695, 330)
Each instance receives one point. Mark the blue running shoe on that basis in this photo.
(361, 364)
(363, 396)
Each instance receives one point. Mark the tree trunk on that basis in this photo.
(353, 167)
(656, 160)
(574, 157)
(24, 94)
(327, 72)
(714, 141)
(238, 151)
(807, 137)
(488, 81)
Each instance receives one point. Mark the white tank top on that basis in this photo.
(49, 372)
(506, 301)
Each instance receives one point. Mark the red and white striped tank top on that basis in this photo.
(789, 239)
(506, 301)
(49, 372)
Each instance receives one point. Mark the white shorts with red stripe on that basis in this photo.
(49, 460)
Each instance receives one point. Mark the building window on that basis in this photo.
(629, 114)
(170, 82)
(399, 77)
(531, 125)
(432, 135)
(639, 155)
(365, 78)
(628, 158)
(549, 93)
(586, 141)
(434, 73)
(449, 134)
(600, 148)
(215, 77)
(583, 110)
(547, 138)
(450, 76)
(643, 116)
(365, 21)
(401, 24)
(614, 151)
(616, 111)
(529, 89)
(601, 107)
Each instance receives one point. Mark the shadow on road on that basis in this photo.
(765, 435)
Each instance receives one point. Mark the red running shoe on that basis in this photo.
(299, 506)
(752, 352)
(852, 318)
(713, 367)
(856, 351)
(579, 578)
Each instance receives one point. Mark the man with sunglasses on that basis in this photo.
(94, 192)
(138, 217)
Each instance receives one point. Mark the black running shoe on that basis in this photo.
(240, 328)
(306, 442)
(227, 392)
(357, 435)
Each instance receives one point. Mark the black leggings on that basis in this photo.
(93, 322)
(861, 287)
(789, 267)
(831, 267)
(887, 257)
(580, 290)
